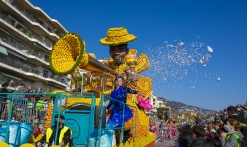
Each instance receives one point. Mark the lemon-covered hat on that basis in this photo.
(117, 36)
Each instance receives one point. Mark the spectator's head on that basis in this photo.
(210, 125)
(36, 119)
(216, 125)
(42, 120)
(61, 120)
(198, 131)
(233, 125)
(185, 131)
(232, 111)
(5, 85)
(29, 87)
(46, 100)
(22, 85)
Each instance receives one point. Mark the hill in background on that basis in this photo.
(181, 107)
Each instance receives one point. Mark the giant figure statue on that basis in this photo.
(69, 53)
(123, 60)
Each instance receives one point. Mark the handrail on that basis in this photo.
(122, 128)
(59, 96)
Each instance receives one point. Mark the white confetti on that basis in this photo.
(171, 62)
(210, 49)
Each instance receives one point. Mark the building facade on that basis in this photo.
(156, 103)
(27, 35)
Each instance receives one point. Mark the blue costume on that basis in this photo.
(116, 117)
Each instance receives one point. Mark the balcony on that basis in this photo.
(21, 47)
(25, 31)
(30, 17)
(38, 74)
(17, 81)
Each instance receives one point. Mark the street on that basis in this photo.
(161, 143)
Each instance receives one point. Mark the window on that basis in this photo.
(45, 74)
(46, 58)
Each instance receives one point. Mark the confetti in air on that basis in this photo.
(174, 61)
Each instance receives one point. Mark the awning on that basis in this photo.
(55, 85)
(40, 46)
(14, 77)
(3, 50)
(16, 54)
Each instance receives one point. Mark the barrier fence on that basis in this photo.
(81, 118)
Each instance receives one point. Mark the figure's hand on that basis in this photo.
(140, 94)
(135, 77)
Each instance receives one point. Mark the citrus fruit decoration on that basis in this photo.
(48, 116)
(68, 53)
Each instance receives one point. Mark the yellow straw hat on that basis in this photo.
(117, 36)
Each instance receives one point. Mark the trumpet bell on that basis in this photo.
(67, 54)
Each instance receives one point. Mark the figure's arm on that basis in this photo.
(128, 90)
(132, 76)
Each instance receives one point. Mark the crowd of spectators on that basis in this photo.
(26, 107)
(227, 128)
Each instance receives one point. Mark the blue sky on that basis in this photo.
(220, 24)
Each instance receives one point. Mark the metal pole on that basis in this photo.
(82, 75)
(82, 82)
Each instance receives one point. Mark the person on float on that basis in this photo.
(64, 134)
(118, 109)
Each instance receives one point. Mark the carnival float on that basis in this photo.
(87, 111)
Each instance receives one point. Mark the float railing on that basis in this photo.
(122, 128)
(78, 95)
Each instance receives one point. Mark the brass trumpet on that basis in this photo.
(69, 52)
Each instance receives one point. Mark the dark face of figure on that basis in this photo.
(118, 53)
